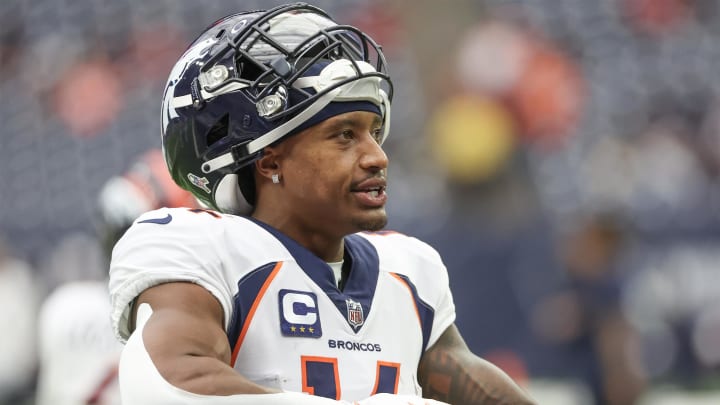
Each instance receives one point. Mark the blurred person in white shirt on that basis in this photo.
(18, 298)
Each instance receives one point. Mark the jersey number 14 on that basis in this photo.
(320, 377)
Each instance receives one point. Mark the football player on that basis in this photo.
(286, 285)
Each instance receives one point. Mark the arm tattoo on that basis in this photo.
(450, 372)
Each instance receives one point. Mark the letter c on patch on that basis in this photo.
(299, 309)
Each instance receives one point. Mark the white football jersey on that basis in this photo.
(288, 324)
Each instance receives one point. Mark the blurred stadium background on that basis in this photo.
(562, 155)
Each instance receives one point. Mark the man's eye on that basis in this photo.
(347, 134)
(377, 134)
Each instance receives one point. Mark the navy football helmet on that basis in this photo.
(251, 79)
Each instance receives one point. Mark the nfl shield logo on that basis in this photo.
(355, 313)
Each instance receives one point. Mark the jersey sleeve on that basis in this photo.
(166, 245)
(424, 267)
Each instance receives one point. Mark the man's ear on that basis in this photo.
(268, 164)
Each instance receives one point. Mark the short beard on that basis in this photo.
(371, 224)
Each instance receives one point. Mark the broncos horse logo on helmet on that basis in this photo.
(251, 79)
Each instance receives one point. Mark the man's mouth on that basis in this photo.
(371, 192)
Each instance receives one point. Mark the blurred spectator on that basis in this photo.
(78, 350)
(673, 299)
(88, 97)
(583, 317)
(19, 301)
(147, 185)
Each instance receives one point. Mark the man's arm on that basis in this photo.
(186, 340)
(450, 372)
(180, 354)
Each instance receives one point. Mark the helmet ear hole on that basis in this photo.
(219, 130)
(246, 182)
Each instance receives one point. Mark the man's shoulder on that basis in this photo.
(188, 232)
(190, 222)
(389, 244)
(396, 239)
(184, 215)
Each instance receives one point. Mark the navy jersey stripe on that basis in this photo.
(249, 287)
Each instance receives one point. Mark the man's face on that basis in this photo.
(334, 175)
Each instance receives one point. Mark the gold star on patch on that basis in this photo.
(302, 329)
(292, 328)
(311, 330)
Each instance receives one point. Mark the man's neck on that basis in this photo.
(329, 248)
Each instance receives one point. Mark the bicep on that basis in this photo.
(450, 372)
(186, 340)
(187, 315)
